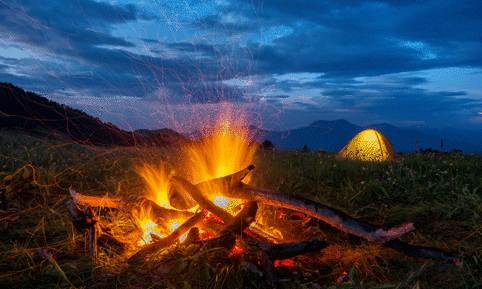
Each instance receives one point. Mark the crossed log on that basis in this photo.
(232, 186)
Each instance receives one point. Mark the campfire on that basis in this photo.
(208, 201)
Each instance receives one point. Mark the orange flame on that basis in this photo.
(222, 151)
(157, 180)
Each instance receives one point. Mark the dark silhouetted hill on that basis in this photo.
(32, 113)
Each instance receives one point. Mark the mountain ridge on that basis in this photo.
(334, 135)
(27, 111)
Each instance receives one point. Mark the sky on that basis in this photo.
(279, 64)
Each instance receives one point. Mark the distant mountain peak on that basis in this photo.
(333, 123)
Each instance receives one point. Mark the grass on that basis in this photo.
(442, 195)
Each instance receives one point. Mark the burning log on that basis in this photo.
(193, 190)
(144, 208)
(169, 240)
(336, 218)
(231, 186)
(186, 186)
(94, 201)
(226, 238)
(86, 222)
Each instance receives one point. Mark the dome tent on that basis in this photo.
(368, 145)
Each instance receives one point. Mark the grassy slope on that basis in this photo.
(441, 195)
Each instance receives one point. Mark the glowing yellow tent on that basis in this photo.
(368, 145)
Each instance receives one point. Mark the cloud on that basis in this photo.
(320, 58)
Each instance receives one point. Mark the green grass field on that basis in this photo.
(440, 194)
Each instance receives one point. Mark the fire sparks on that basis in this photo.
(222, 151)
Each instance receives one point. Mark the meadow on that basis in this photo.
(441, 194)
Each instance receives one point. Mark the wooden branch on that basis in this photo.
(77, 217)
(289, 250)
(425, 252)
(244, 219)
(146, 208)
(84, 221)
(186, 186)
(169, 240)
(95, 201)
(268, 266)
(192, 236)
(336, 218)
(226, 238)
(93, 229)
(56, 254)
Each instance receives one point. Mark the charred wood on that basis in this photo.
(169, 240)
(289, 250)
(425, 252)
(186, 186)
(336, 218)
(85, 222)
(145, 208)
(192, 236)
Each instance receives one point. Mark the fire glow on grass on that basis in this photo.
(222, 151)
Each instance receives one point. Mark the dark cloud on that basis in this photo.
(76, 47)
(370, 37)
(79, 34)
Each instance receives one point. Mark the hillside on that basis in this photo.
(34, 114)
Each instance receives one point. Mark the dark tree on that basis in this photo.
(267, 144)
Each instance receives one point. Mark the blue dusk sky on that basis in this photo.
(156, 64)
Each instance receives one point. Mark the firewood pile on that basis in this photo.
(229, 229)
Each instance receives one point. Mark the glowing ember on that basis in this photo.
(285, 263)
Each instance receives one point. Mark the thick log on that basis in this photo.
(169, 240)
(186, 186)
(145, 208)
(192, 236)
(194, 191)
(244, 219)
(336, 218)
(226, 238)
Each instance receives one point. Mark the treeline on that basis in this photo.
(30, 112)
